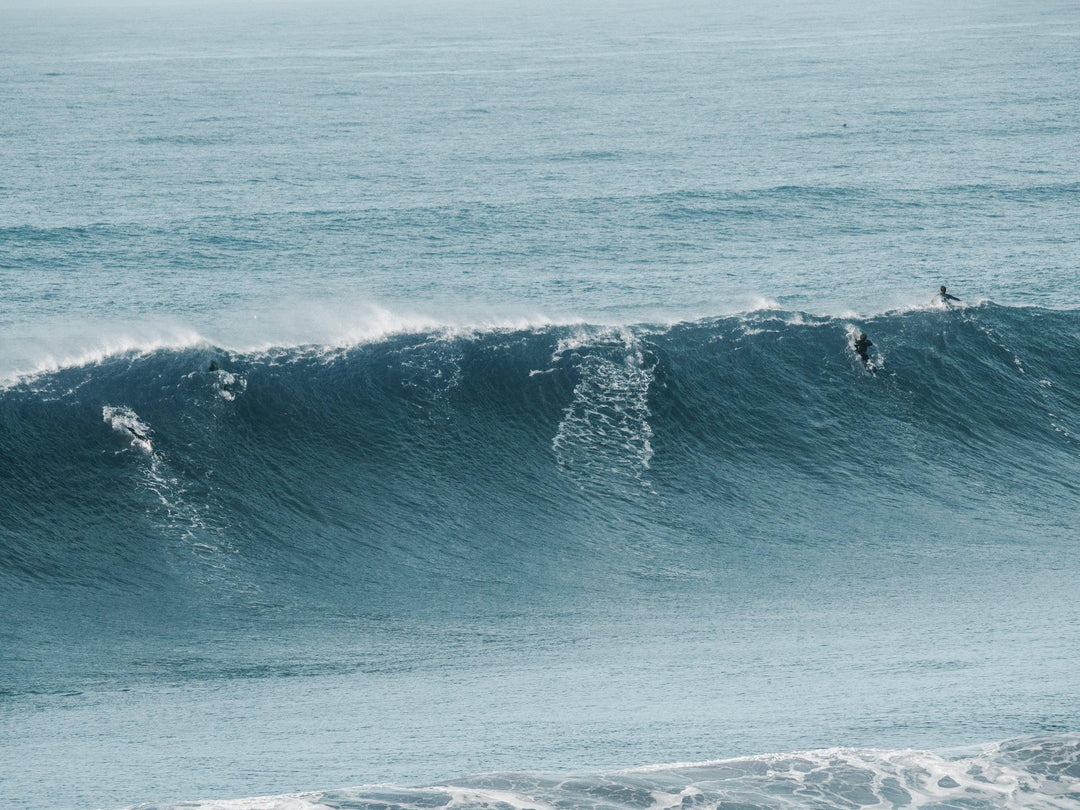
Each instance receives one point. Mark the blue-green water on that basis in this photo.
(535, 447)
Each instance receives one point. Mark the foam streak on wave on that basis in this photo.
(605, 431)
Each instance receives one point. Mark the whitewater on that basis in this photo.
(457, 406)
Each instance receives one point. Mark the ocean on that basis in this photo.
(417, 405)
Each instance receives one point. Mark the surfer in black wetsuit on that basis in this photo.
(137, 435)
(862, 345)
(213, 366)
(945, 297)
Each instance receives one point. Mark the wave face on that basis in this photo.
(540, 455)
(1030, 773)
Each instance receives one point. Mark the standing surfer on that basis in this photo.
(862, 346)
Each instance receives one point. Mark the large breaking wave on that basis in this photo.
(499, 455)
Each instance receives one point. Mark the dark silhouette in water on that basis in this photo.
(945, 297)
(137, 434)
(213, 366)
(862, 345)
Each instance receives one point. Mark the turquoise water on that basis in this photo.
(535, 458)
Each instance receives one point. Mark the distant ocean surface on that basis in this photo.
(454, 405)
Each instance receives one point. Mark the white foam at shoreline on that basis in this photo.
(1021, 774)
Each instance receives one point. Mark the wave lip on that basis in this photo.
(60, 347)
(76, 352)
